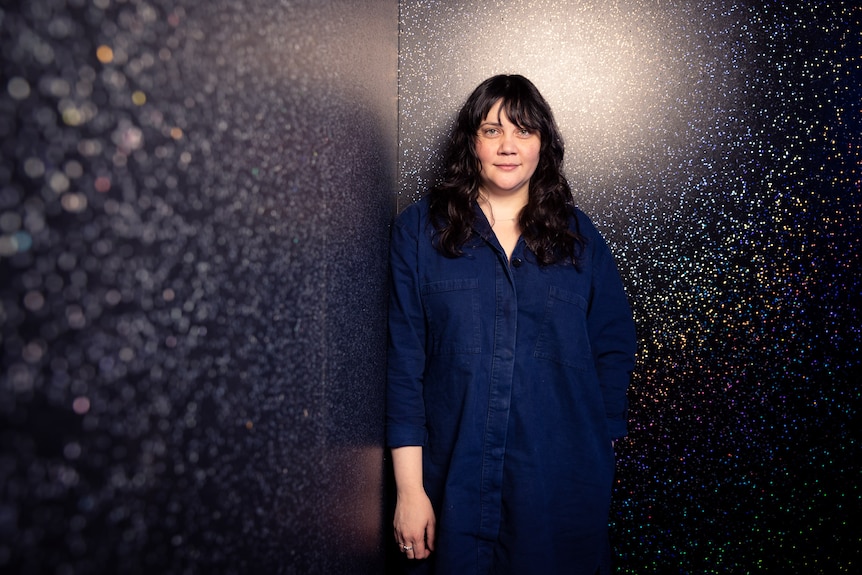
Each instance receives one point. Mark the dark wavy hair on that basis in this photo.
(544, 220)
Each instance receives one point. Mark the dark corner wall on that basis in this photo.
(194, 209)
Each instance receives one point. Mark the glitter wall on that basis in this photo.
(194, 209)
(718, 146)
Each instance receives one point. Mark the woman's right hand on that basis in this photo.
(414, 523)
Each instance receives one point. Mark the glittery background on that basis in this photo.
(194, 209)
(194, 200)
(718, 146)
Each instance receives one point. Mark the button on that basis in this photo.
(517, 262)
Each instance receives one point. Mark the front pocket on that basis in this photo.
(563, 336)
(452, 314)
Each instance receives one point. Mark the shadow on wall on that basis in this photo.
(194, 209)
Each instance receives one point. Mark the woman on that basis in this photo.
(511, 348)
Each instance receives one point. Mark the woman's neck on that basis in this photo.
(499, 208)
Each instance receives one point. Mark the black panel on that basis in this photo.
(194, 202)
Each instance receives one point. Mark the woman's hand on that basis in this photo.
(414, 524)
(414, 516)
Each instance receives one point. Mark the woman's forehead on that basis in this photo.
(496, 112)
(503, 108)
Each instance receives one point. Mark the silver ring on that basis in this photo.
(406, 548)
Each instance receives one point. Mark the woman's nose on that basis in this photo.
(507, 144)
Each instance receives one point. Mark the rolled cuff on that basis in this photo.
(614, 388)
(618, 427)
(403, 435)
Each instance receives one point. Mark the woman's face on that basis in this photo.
(508, 155)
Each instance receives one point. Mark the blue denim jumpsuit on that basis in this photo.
(513, 377)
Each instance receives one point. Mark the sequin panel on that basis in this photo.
(718, 146)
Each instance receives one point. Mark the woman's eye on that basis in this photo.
(490, 131)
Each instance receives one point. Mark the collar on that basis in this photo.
(481, 225)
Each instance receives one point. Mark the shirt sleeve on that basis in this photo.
(405, 406)
(612, 336)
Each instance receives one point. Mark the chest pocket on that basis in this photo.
(563, 336)
(452, 313)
